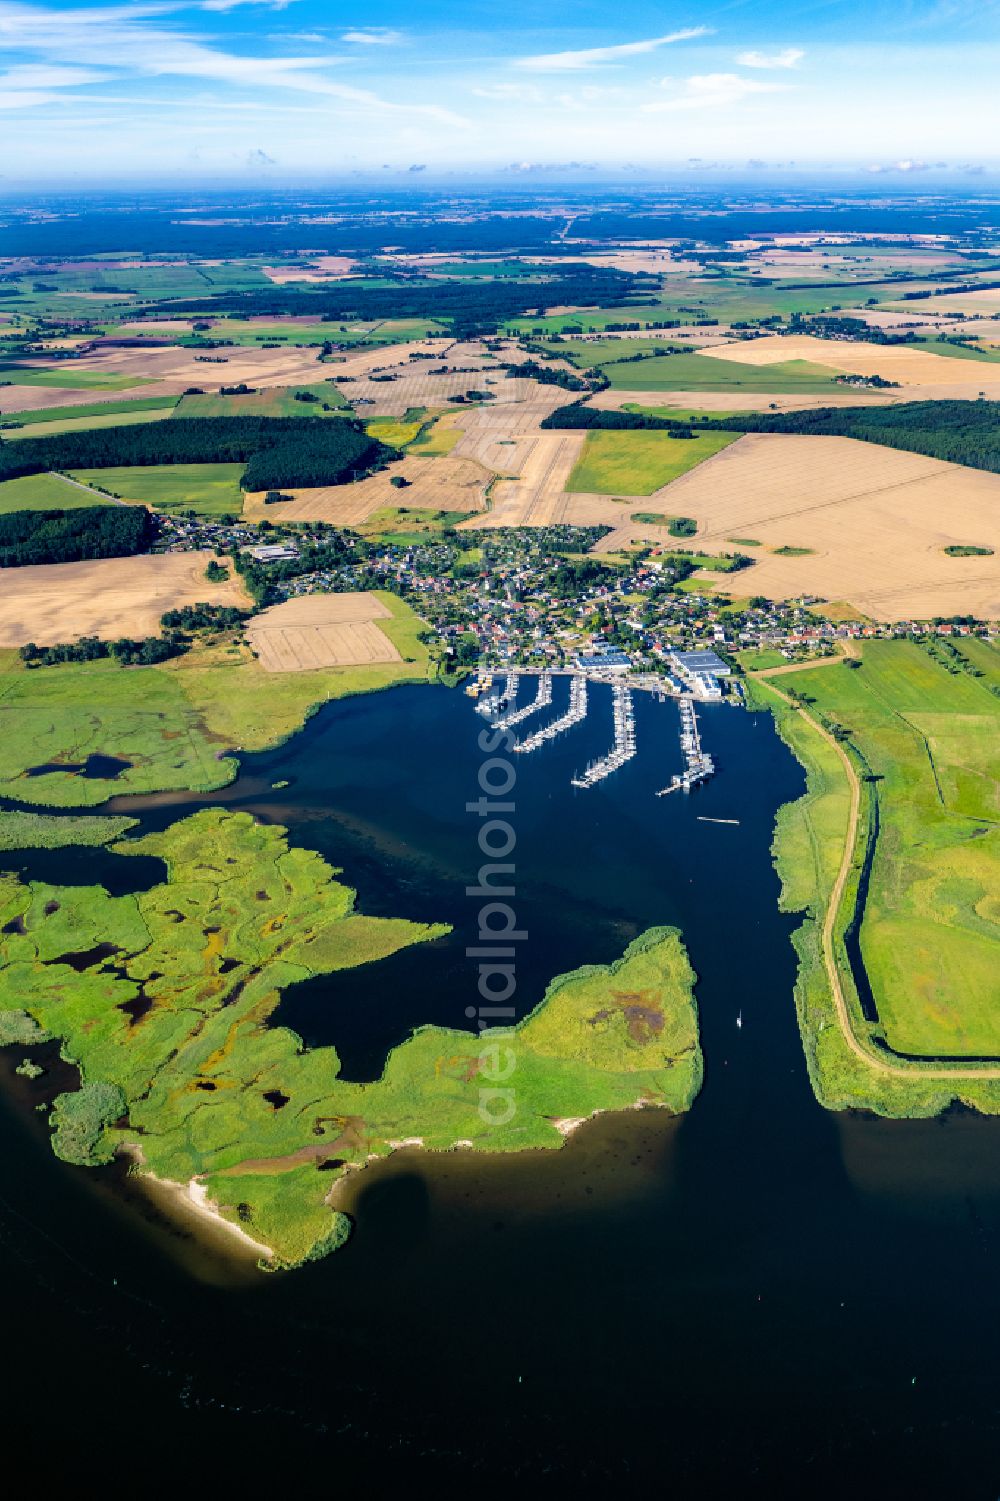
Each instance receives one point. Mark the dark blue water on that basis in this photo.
(762, 1298)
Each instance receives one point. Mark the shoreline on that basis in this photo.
(190, 1201)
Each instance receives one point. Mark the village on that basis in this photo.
(534, 600)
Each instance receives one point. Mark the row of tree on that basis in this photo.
(961, 432)
(467, 306)
(28, 537)
(289, 451)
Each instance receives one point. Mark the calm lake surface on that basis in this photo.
(761, 1296)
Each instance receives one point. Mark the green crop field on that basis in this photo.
(680, 414)
(637, 463)
(121, 411)
(43, 492)
(68, 424)
(437, 439)
(207, 489)
(930, 935)
(68, 378)
(177, 1037)
(959, 351)
(272, 401)
(694, 372)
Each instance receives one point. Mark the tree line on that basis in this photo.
(278, 451)
(468, 307)
(28, 537)
(960, 432)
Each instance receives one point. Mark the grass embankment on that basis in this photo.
(930, 937)
(176, 1035)
(43, 492)
(206, 489)
(173, 723)
(638, 463)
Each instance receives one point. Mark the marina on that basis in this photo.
(700, 765)
(624, 748)
(542, 700)
(575, 714)
(495, 703)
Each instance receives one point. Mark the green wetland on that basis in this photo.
(584, 1312)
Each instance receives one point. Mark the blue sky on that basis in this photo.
(293, 90)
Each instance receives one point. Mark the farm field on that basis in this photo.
(110, 597)
(960, 351)
(322, 630)
(67, 423)
(876, 521)
(637, 463)
(984, 303)
(442, 437)
(446, 483)
(693, 372)
(70, 376)
(166, 723)
(272, 401)
(913, 368)
(121, 411)
(206, 489)
(930, 937)
(43, 492)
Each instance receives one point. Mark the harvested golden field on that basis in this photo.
(322, 630)
(981, 303)
(446, 483)
(735, 401)
(543, 463)
(110, 597)
(317, 268)
(875, 520)
(23, 398)
(919, 372)
(174, 368)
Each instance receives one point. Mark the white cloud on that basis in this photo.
(121, 37)
(373, 36)
(46, 76)
(788, 57)
(25, 99)
(908, 164)
(595, 57)
(510, 93)
(223, 5)
(714, 91)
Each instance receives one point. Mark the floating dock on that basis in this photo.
(576, 712)
(624, 747)
(541, 701)
(495, 704)
(700, 765)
